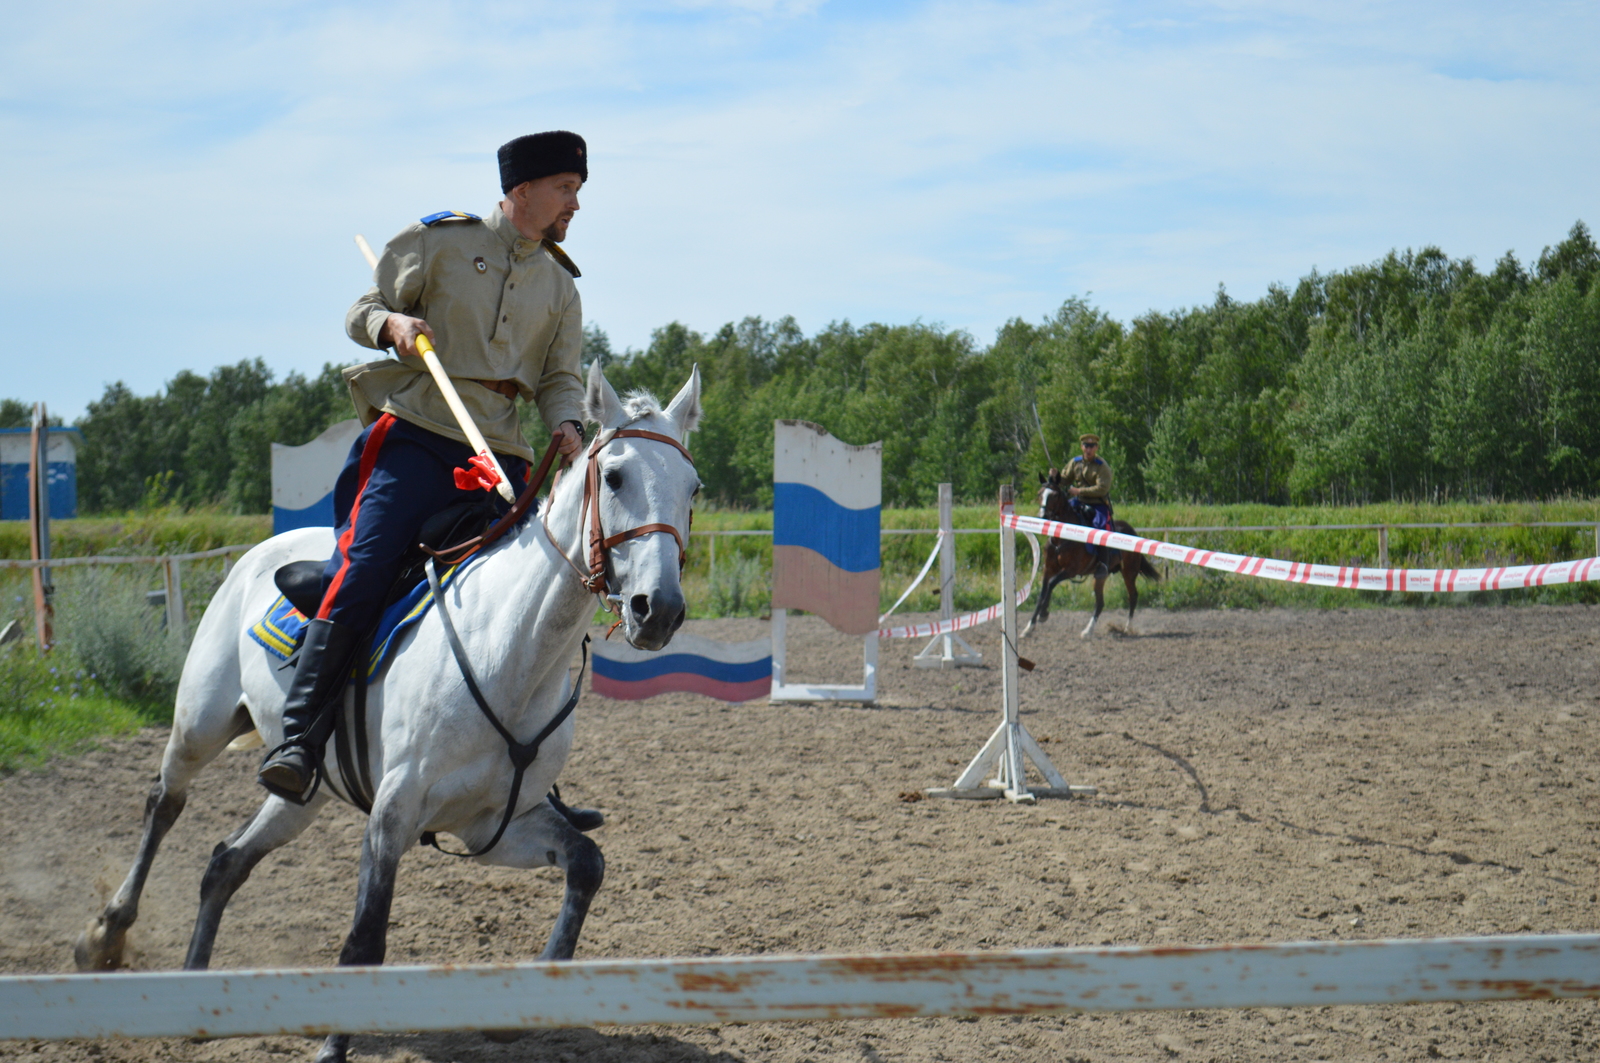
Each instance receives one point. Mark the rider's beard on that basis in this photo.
(556, 231)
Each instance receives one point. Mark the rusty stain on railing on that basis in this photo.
(798, 988)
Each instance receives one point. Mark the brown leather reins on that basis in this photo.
(453, 555)
(600, 544)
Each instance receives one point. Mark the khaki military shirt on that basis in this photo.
(1093, 477)
(501, 306)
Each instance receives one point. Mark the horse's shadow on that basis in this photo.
(1118, 631)
(575, 1044)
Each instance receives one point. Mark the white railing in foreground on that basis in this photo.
(797, 988)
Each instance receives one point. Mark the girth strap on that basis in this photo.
(522, 753)
(350, 739)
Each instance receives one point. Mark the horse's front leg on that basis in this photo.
(542, 837)
(1099, 604)
(391, 830)
(1041, 610)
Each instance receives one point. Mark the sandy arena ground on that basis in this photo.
(1263, 776)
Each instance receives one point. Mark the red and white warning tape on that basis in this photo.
(959, 623)
(1365, 579)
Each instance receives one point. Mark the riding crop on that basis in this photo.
(441, 379)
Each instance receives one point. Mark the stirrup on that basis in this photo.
(304, 797)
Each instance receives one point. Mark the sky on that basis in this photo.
(184, 180)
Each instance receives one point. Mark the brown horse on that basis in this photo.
(1068, 559)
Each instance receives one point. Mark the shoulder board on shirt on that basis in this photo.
(1076, 458)
(449, 215)
(561, 257)
(1099, 461)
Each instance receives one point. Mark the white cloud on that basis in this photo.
(192, 175)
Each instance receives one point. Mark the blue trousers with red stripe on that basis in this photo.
(1099, 514)
(396, 476)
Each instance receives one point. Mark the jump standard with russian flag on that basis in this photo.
(827, 497)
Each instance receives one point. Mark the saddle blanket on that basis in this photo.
(728, 671)
(280, 629)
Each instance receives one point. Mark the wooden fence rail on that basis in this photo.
(797, 988)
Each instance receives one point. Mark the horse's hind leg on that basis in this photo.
(275, 824)
(197, 737)
(1130, 580)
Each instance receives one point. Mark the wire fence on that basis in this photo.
(185, 589)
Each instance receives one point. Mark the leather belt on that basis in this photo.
(508, 388)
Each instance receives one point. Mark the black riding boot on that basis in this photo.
(584, 819)
(308, 719)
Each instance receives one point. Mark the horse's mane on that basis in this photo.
(640, 404)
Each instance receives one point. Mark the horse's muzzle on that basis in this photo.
(656, 617)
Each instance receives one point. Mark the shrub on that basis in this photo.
(739, 587)
(105, 621)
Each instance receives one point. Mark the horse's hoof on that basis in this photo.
(504, 1037)
(96, 950)
(335, 1049)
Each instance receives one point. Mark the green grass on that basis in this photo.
(978, 556)
(167, 531)
(50, 706)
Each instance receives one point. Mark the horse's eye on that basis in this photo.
(614, 479)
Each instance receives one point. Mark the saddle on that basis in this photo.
(301, 581)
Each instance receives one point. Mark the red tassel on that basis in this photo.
(479, 474)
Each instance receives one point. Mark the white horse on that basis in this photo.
(437, 763)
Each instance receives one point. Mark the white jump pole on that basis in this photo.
(946, 655)
(718, 989)
(1000, 768)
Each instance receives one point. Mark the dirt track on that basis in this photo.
(1263, 776)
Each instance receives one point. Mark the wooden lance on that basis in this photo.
(441, 379)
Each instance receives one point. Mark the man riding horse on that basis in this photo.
(496, 297)
(1088, 485)
(1081, 494)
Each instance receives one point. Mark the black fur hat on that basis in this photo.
(540, 155)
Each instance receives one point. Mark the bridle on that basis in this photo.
(600, 543)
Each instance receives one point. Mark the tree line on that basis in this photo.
(1416, 377)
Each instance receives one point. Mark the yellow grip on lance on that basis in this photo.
(469, 428)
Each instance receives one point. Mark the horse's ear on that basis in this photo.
(600, 402)
(684, 409)
(1043, 478)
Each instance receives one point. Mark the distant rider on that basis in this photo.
(1088, 480)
